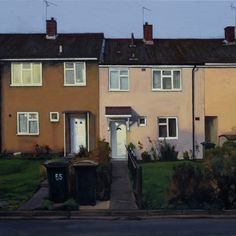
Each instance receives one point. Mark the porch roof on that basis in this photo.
(120, 111)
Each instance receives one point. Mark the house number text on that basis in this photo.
(58, 177)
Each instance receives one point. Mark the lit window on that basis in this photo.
(166, 80)
(142, 121)
(118, 80)
(168, 127)
(27, 123)
(26, 74)
(74, 74)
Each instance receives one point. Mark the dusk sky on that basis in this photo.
(119, 18)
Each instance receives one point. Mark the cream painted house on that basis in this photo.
(148, 88)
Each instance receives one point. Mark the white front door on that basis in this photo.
(118, 139)
(77, 132)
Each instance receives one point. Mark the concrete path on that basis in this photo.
(122, 197)
(37, 199)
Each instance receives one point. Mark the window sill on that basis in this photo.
(168, 138)
(74, 85)
(25, 134)
(114, 90)
(26, 85)
(167, 90)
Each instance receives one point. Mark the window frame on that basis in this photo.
(167, 76)
(28, 120)
(145, 121)
(74, 69)
(31, 69)
(167, 127)
(54, 120)
(109, 79)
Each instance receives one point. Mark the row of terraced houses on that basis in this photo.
(68, 90)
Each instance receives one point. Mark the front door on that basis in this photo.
(77, 132)
(118, 139)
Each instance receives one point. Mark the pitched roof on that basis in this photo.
(168, 52)
(19, 46)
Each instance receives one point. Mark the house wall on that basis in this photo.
(220, 84)
(153, 104)
(52, 96)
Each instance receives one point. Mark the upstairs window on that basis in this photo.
(27, 123)
(74, 74)
(166, 80)
(118, 80)
(168, 127)
(26, 74)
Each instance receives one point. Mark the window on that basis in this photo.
(169, 80)
(74, 74)
(168, 127)
(54, 116)
(26, 74)
(142, 121)
(118, 80)
(27, 123)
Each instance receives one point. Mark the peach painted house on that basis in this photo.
(158, 88)
(49, 90)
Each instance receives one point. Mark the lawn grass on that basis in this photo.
(156, 178)
(19, 179)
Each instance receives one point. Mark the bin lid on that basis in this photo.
(86, 163)
(56, 163)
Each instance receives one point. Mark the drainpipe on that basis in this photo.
(193, 110)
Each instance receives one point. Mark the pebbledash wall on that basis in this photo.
(52, 96)
(154, 104)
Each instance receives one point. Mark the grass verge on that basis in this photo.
(156, 178)
(19, 179)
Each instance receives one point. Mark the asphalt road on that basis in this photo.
(165, 227)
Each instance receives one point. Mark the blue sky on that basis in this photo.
(119, 18)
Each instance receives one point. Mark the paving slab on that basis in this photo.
(122, 197)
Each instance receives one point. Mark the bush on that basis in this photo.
(47, 205)
(189, 187)
(71, 205)
(146, 157)
(167, 152)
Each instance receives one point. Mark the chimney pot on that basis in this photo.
(147, 33)
(51, 27)
(230, 34)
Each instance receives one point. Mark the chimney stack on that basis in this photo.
(51, 29)
(230, 34)
(147, 34)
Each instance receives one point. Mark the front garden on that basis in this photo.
(207, 184)
(19, 179)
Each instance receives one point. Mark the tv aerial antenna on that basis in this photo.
(233, 7)
(143, 12)
(48, 4)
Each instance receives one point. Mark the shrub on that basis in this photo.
(47, 205)
(189, 187)
(83, 152)
(71, 205)
(167, 152)
(146, 156)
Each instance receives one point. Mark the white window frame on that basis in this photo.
(75, 83)
(118, 70)
(167, 76)
(51, 117)
(145, 121)
(18, 123)
(167, 127)
(31, 69)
